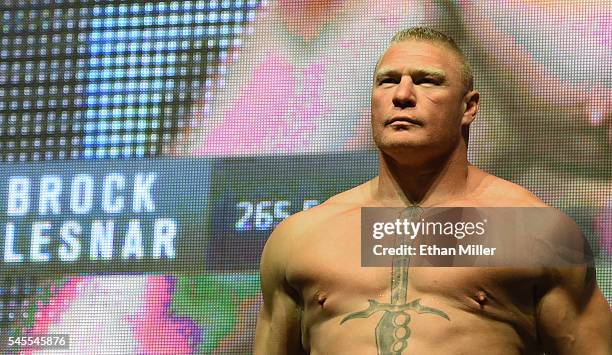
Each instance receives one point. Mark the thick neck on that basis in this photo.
(422, 183)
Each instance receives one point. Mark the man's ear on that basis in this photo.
(471, 102)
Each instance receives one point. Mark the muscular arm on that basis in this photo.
(573, 315)
(278, 325)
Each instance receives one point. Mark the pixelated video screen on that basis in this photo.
(148, 149)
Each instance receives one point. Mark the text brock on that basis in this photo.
(82, 192)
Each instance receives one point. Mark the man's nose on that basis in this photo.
(404, 95)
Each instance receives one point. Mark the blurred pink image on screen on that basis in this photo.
(302, 86)
(300, 80)
(117, 314)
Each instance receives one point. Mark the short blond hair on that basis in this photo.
(431, 35)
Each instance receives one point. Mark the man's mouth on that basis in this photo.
(403, 121)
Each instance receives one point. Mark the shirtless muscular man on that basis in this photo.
(311, 275)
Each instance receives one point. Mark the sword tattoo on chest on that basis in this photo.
(393, 330)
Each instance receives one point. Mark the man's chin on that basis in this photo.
(400, 146)
(409, 151)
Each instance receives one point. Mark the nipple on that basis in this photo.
(481, 297)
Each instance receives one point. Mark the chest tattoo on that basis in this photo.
(393, 330)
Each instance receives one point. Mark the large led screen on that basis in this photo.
(148, 149)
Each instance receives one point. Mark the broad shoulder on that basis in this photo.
(549, 228)
(493, 191)
(306, 223)
(349, 201)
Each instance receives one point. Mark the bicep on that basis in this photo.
(278, 327)
(279, 322)
(574, 317)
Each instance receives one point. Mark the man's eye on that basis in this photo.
(387, 81)
(428, 81)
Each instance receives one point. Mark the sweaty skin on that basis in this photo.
(318, 299)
